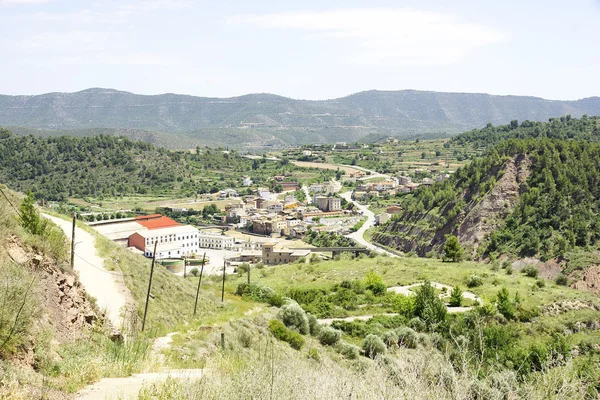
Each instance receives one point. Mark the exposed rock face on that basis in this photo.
(590, 282)
(472, 224)
(488, 215)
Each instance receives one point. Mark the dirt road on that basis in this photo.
(106, 286)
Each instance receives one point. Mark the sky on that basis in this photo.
(302, 49)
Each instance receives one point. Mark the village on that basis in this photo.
(264, 227)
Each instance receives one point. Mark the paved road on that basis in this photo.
(358, 235)
(106, 286)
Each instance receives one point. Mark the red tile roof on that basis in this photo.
(155, 221)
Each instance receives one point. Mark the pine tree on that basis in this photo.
(456, 297)
(453, 251)
(30, 218)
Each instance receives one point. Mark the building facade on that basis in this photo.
(171, 242)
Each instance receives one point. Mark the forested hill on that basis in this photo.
(535, 197)
(585, 128)
(57, 168)
(270, 120)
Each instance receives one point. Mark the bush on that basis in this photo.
(562, 280)
(195, 272)
(540, 283)
(294, 317)
(313, 325)
(276, 300)
(259, 265)
(373, 346)
(509, 270)
(531, 271)
(374, 282)
(407, 337)
(284, 334)
(417, 324)
(390, 339)
(347, 350)
(329, 336)
(474, 281)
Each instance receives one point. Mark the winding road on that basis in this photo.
(106, 286)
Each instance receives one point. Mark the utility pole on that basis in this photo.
(199, 282)
(149, 286)
(73, 242)
(184, 267)
(248, 273)
(223, 287)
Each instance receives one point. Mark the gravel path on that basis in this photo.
(106, 286)
(406, 290)
(128, 388)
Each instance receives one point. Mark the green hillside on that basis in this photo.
(585, 128)
(56, 168)
(535, 197)
(266, 120)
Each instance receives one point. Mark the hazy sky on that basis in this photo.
(302, 49)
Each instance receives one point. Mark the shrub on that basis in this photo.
(255, 291)
(417, 324)
(329, 336)
(259, 265)
(390, 339)
(313, 325)
(474, 281)
(509, 270)
(562, 280)
(284, 334)
(195, 272)
(347, 350)
(540, 283)
(276, 300)
(374, 282)
(531, 271)
(504, 305)
(373, 346)
(456, 297)
(294, 317)
(407, 337)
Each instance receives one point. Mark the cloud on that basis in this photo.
(385, 36)
(146, 59)
(66, 41)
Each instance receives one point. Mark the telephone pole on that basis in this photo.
(223, 287)
(149, 286)
(73, 241)
(199, 282)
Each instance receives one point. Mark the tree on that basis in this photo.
(428, 305)
(453, 251)
(504, 305)
(456, 297)
(30, 218)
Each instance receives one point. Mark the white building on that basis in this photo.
(247, 181)
(173, 242)
(207, 240)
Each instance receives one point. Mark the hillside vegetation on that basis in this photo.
(265, 119)
(536, 197)
(563, 128)
(56, 168)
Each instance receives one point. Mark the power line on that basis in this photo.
(102, 269)
(10, 202)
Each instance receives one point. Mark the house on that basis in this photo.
(272, 255)
(247, 181)
(289, 186)
(328, 203)
(404, 180)
(394, 210)
(227, 193)
(307, 153)
(442, 177)
(273, 207)
(427, 181)
(268, 226)
(382, 218)
(264, 194)
(171, 242)
(207, 240)
(279, 178)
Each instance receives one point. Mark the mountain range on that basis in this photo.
(258, 120)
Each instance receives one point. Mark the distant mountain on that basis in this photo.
(266, 119)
